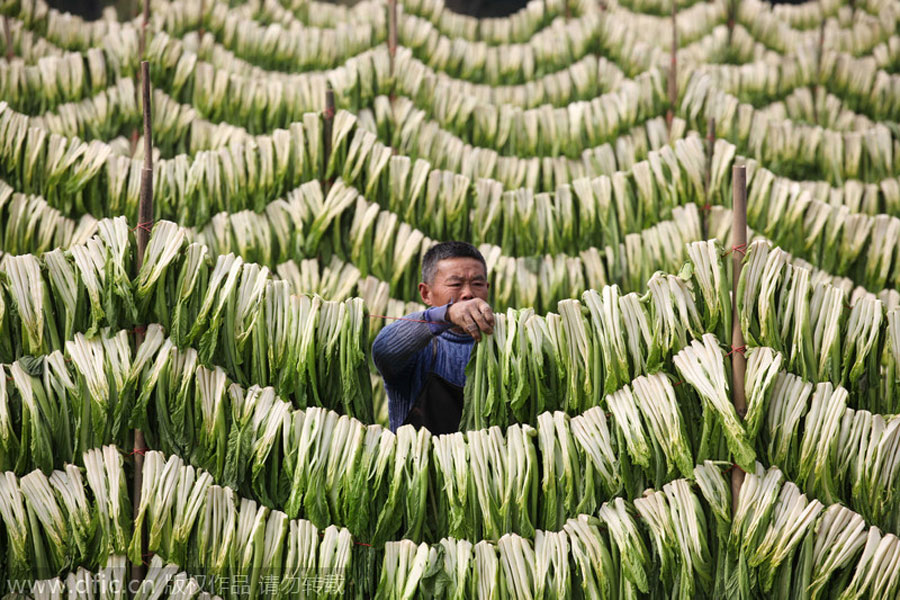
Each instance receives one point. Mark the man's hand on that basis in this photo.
(472, 316)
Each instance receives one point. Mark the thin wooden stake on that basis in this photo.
(392, 50)
(392, 31)
(146, 202)
(9, 41)
(200, 31)
(143, 39)
(738, 362)
(673, 70)
(327, 127)
(732, 17)
(145, 222)
(710, 150)
(820, 49)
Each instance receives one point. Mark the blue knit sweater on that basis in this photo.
(403, 354)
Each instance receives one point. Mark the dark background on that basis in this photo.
(91, 9)
(500, 8)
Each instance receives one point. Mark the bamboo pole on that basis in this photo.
(145, 221)
(738, 362)
(673, 69)
(327, 126)
(8, 39)
(710, 150)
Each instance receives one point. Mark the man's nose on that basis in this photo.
(466, 293)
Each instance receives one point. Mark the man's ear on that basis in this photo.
(425, 292)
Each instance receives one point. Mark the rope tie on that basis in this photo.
(404, 319)
(739, 349)
(329, 112)
(742, 248)
(148, 227)
(322, 534)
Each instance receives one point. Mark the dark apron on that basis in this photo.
(439, 405)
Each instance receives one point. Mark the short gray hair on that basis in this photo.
(445, 250)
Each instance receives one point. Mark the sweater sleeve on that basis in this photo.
(397, 344)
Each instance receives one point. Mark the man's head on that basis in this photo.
(453, 270)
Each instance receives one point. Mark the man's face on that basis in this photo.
(457, 279)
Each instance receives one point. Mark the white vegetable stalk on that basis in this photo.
(702, 366)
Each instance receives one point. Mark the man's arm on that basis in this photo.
(398, 343)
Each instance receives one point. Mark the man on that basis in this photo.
(423, 363)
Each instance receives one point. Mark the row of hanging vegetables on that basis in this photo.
(680, 538)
